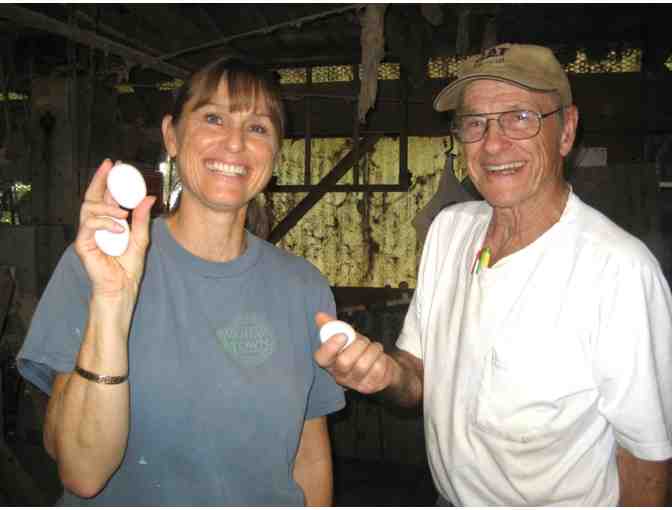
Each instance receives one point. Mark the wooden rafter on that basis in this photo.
(32, 19)
(105, 28)
(169, 21)
(341, 168)
(206, 20)
(264, 30)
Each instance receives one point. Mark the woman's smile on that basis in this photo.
(227, 169)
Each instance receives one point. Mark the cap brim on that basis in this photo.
(448, 98)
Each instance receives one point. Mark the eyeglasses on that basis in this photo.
(515, 124)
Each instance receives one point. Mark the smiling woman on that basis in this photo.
(207, 333)
(225, 133)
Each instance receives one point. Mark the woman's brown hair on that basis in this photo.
(247, 83)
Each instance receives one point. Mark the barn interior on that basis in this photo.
(365, 166)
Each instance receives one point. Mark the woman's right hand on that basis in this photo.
(111, 276)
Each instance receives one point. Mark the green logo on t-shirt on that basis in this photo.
(247, 339)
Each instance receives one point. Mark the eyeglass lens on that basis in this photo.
(518, 125)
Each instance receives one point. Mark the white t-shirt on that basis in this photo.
(536, 368)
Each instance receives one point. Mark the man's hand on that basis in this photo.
(362, 366)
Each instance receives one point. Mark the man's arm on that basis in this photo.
(365, 367)
(643, 482)
(312, 468)
(405, 391)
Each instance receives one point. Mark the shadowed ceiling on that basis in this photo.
(171, 40)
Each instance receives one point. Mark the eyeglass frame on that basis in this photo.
(488, 118)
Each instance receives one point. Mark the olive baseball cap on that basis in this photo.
(531, 67)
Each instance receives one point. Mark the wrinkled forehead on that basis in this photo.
(490, 94)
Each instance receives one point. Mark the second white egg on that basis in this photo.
(113, 243)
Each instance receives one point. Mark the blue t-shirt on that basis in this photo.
(220, 368)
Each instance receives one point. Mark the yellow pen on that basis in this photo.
(482, 260)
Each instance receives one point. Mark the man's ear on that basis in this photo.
(169, 135)
(568, 136)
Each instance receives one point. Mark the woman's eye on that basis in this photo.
(213, 118)
(260, 127)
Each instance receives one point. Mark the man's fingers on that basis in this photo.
(361, 366)
(366, 363)
(326, 355)
(322, 318)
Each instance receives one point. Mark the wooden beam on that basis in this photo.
(32, 19)
(7, 285)
(341, 168)
(206, 19)
(338, 188)
(347, 297)
(264, 30)
(102, 27)
(170, 19)
(259, 15)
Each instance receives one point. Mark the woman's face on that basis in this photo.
(225, 158)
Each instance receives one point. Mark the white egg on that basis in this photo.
(112, 243)
(126, 185)
(332, 328)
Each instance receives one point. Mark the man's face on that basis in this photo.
(510, 173)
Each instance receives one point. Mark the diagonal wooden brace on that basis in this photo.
(341, 168)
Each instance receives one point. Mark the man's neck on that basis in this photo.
(512, 229)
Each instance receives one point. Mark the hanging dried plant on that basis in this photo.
(373, 50)
(462, 41)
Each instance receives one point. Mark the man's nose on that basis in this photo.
(494, 138)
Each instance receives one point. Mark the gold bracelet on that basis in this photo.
(100, 379)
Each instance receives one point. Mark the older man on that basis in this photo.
(539, 336)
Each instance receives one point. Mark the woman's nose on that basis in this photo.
(234, 139)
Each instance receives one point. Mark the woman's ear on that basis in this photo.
(169, 135)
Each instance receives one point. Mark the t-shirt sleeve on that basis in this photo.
(410, 337)
(57, 326)
(325, 395)
(634, 359)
